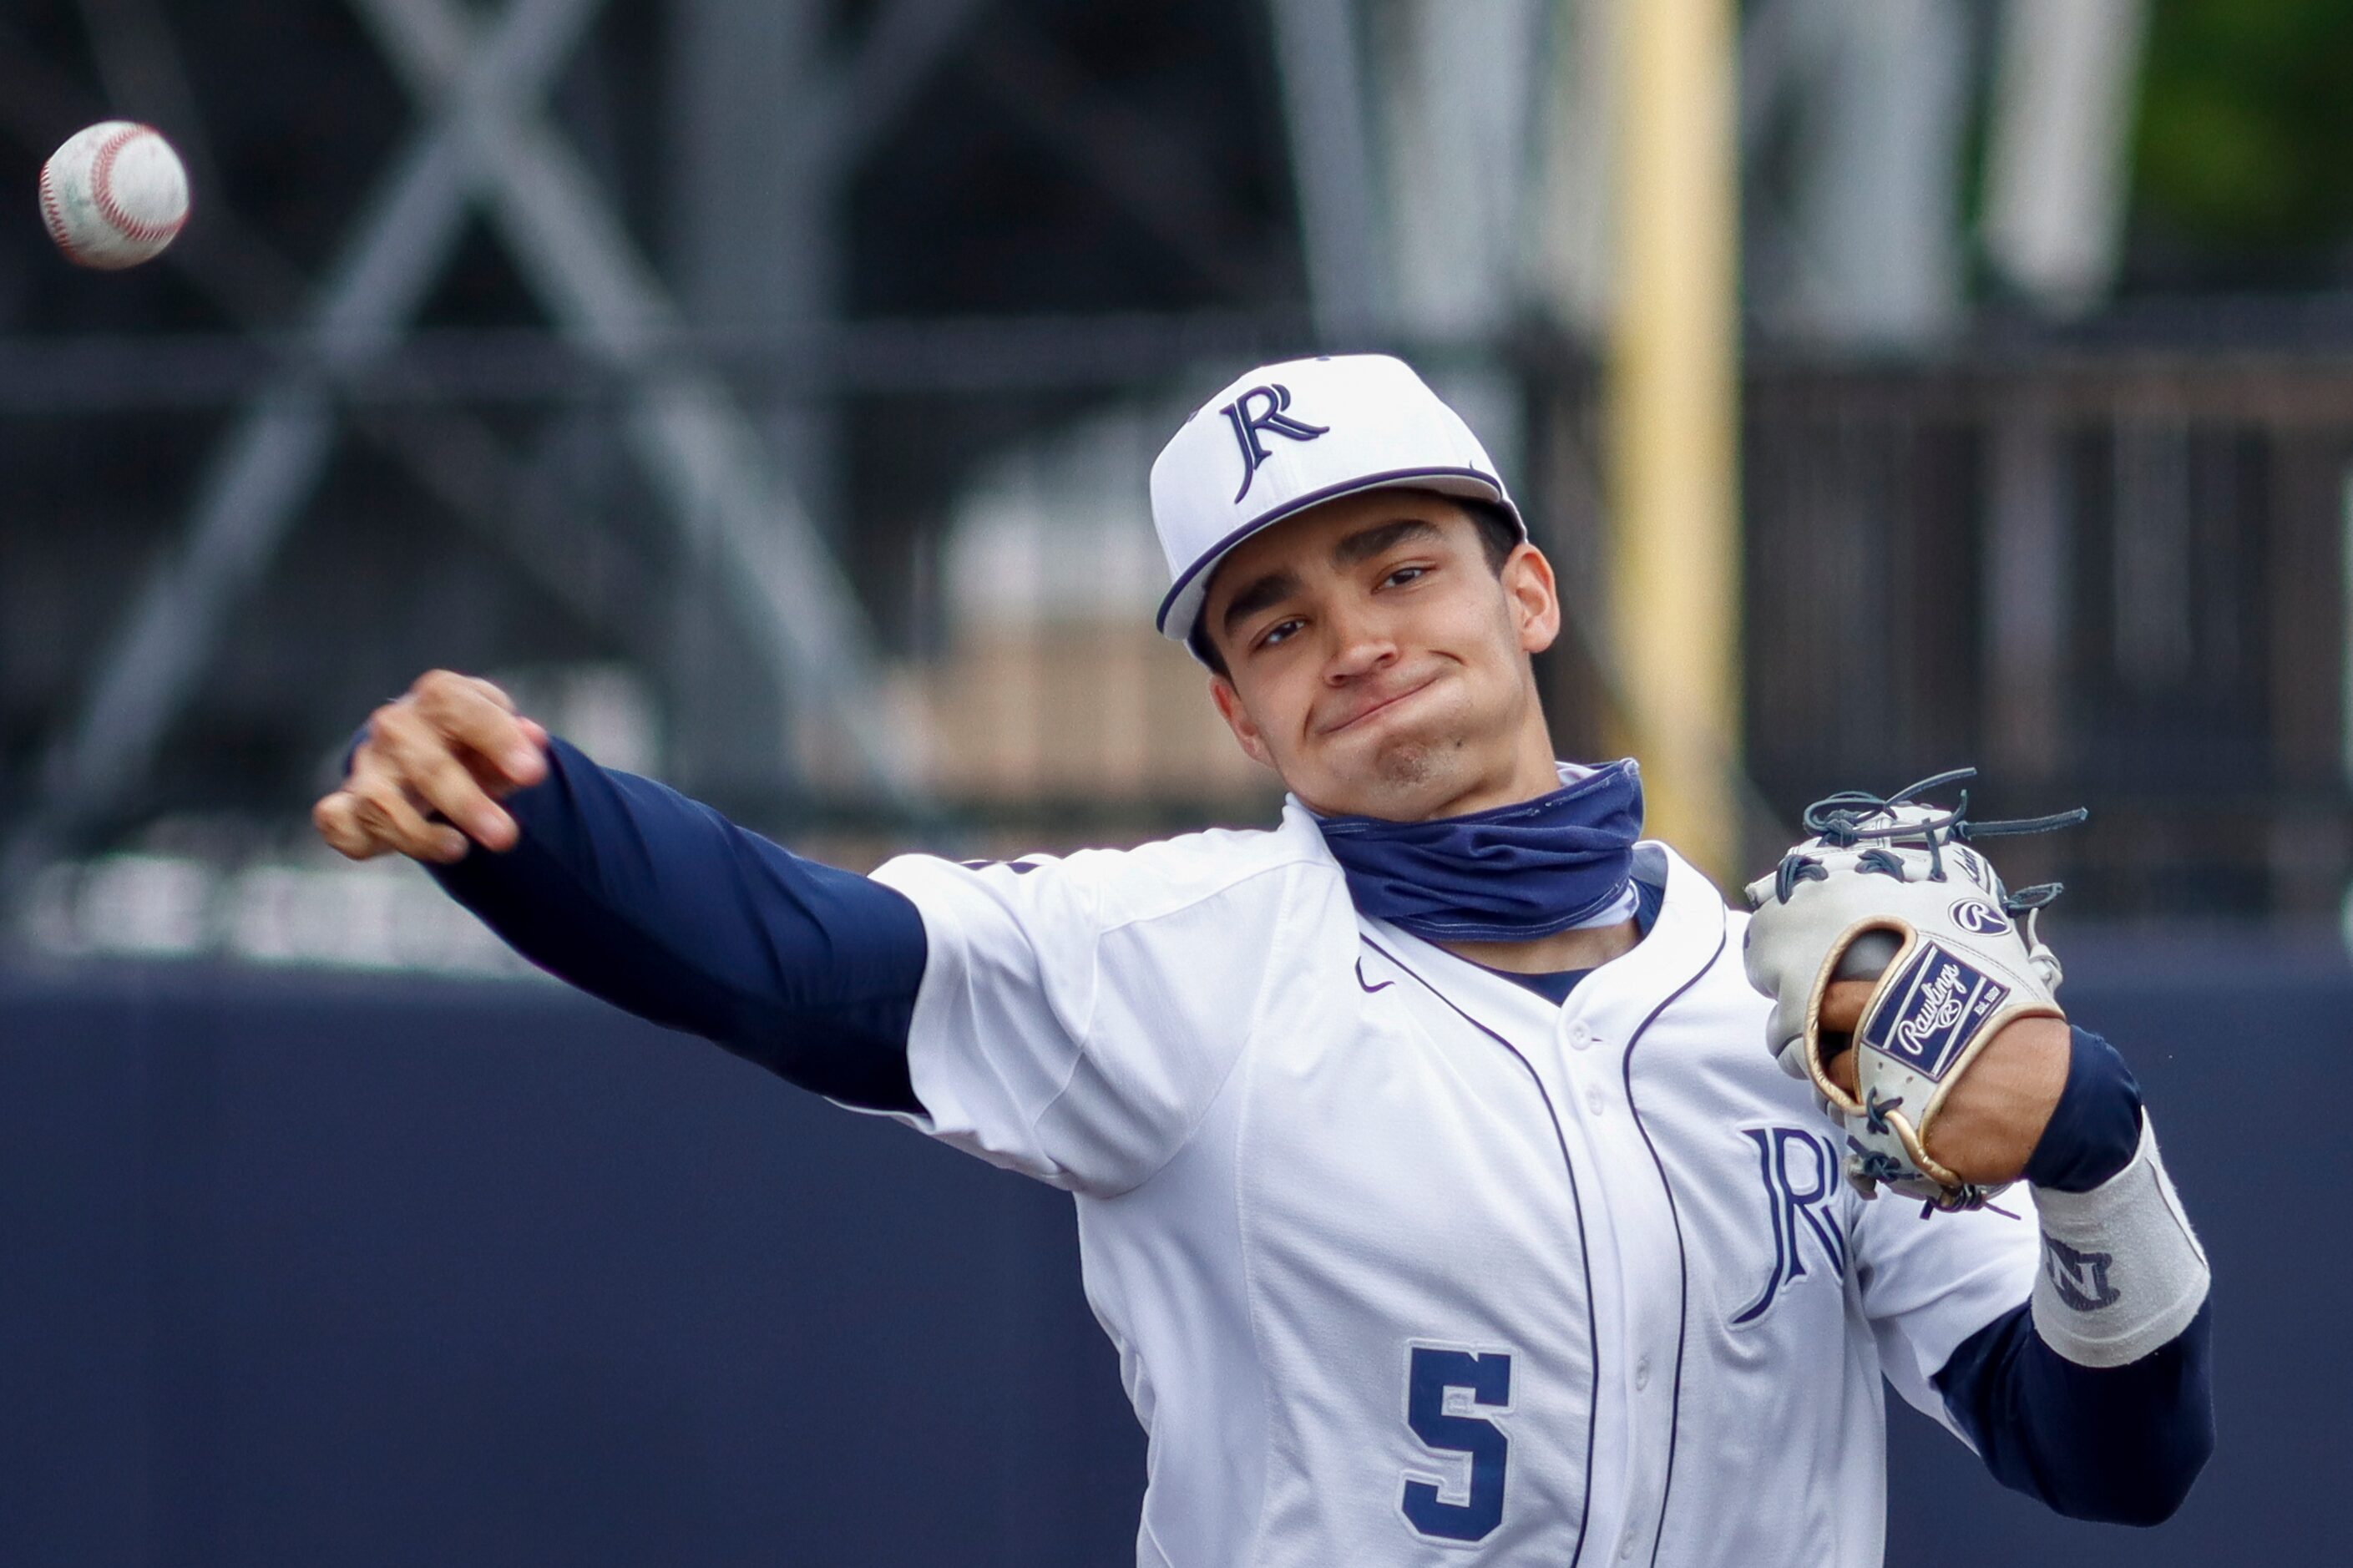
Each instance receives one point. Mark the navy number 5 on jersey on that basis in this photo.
(1439, 1382)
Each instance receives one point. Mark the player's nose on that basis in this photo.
(1359, 643)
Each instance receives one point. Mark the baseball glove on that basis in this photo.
(1889, 889)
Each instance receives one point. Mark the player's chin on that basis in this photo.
(1390, 754)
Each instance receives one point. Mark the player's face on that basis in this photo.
(1379, 664)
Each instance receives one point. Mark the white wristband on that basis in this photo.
(2122, 1272)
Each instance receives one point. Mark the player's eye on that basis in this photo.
(1405, 574)
(1279, 631)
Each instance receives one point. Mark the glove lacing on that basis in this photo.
(1846, 819)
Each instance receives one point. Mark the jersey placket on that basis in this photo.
(1633, 1229)
(1625, 1006)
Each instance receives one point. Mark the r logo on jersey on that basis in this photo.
(1801, 1170)
(1260, 412)
(1937, 1003)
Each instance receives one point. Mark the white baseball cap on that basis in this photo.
(1287, 436)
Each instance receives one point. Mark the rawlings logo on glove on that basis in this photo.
(1940, 992)
(1871, 897)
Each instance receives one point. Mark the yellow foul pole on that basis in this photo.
(1674, 532)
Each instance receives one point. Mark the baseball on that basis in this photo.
(1867, 956)
(114, 195)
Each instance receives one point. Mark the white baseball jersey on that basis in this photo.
(1407, 1265)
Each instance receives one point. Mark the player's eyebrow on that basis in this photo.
(1256, 596)
(1367, 542)
(1350, 550)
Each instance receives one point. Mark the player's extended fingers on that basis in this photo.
(337, 818)
(1842, 1004)
(478, 720)
(422, 765)
(384, 814)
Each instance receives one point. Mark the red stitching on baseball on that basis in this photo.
(51, 212)
(102, 192)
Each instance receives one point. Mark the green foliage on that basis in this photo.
(2245, 139)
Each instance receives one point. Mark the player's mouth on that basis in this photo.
(1383, 706)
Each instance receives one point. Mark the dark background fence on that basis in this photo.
(2108, 571)
(329, 1270)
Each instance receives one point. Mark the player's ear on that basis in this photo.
(1534, 598)
(1238, 719)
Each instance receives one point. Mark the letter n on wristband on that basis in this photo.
(2122, 1272)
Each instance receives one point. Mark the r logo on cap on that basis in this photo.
(1376, 425)
(1247, 426)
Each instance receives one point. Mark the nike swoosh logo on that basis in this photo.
(1368, 986)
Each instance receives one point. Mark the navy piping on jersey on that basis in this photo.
(1674, 1212)
(1577, 1198)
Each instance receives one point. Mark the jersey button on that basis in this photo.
(1626, 1547)
(1642, 1374)
(1580, 1035)
(1593, 1101)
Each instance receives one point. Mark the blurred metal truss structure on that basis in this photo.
(483, 139)
(768, 281)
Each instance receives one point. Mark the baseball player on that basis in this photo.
(1438, 1177)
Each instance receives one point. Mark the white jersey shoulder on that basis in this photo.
(1076, 1014)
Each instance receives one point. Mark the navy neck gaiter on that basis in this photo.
(1511, 874)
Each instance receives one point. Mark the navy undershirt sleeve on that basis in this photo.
(2095, 1130)
(2122, 1444)
(2117, 1443)
(661, 906)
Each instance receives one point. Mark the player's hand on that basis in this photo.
(452, 748)
(1989, 1123)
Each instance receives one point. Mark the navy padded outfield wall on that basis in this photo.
(316, 1270)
